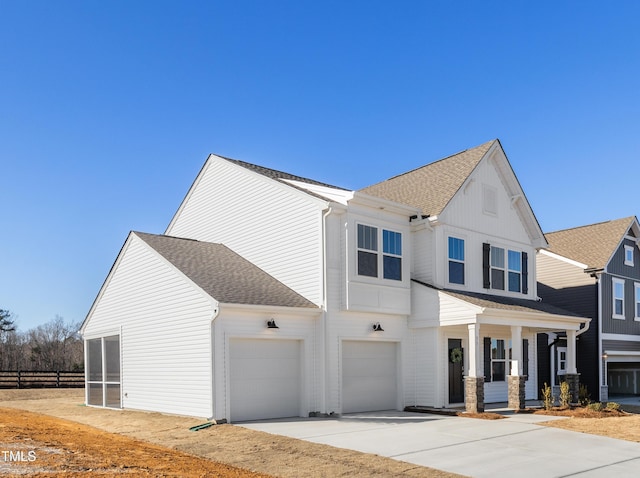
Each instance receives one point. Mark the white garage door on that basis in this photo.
(369, 376)
(265, 378)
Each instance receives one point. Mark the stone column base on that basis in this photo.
(573, 379)
(516, 395)
(474, 394)
(604, 393)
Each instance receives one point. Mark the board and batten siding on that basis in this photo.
(617, 266)
(628, 325)
(165, 328)
(466, 208)
(275, 226)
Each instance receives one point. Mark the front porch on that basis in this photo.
(498, 336)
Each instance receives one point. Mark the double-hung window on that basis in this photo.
(369, 256)
(499, 361)
(618, 298)
(367, 251)
(497, 268)
(392, 255)
(515, 271)
(637, 300)
(456, 260)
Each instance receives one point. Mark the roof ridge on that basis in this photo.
(277, 174)
(629, 218)
(436, 161)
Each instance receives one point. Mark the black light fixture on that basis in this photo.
(377, 327)
(271, 324)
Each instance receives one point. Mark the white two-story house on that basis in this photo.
(271, 295)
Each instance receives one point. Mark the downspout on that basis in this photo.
(212, 337)
(325, 331)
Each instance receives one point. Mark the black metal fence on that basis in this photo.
(31, 379)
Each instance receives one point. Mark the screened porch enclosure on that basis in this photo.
(103, 372)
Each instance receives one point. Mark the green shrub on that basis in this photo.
(565, 395)
(595, 406)
(613, 406)
(547, 397)
(584, 397)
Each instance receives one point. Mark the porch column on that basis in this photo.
(474, 381)
(572, 377)
(516, 381)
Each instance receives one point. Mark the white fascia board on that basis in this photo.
(193, 187)
(273, 309)
(627, 338)
(553, 255)
(531, 319)
(106, 282)
(520, 203)
(212, 300)
(621, 353)
(337, 195)
(363, 199)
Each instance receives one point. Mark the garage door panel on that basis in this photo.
(369, 376)
(265, 378)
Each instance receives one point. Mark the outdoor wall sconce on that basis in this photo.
(271, 324)
(377, 327)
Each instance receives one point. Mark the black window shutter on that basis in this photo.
(525, 358)
(525, 273)
(487, 359)
(486, 253)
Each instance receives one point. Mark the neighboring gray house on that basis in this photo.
(594, 271)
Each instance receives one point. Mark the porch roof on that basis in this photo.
(462, 307)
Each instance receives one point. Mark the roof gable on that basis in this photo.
(431, 187)
(593, 244)
(223, 274)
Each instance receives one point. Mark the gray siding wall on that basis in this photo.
(610, 325)
(617, 266)
(621, 345)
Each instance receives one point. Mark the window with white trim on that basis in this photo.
(369, 257)
(499, 360)
(637, 300)
(628, 256)
(497, 268)
(561, 359)
(618, 298)
(515, 271)
(456, 260)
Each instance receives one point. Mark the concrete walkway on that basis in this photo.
(515, 446)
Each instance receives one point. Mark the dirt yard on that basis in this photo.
(50, 433)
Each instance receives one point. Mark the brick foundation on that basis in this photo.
(474, 394)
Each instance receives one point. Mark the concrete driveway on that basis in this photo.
(515, 446)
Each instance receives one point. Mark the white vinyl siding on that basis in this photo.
(166, 333)
(272, 225)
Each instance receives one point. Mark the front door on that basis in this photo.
(455, 357)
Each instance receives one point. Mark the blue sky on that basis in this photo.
(109, 109)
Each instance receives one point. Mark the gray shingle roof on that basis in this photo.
(504, 303)
(278, 175)
(593, 245)
(223, 274)
(431, 187)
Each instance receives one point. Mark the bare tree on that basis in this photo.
(55, 346)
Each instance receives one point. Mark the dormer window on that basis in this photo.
(369, 256)
(628, 256)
